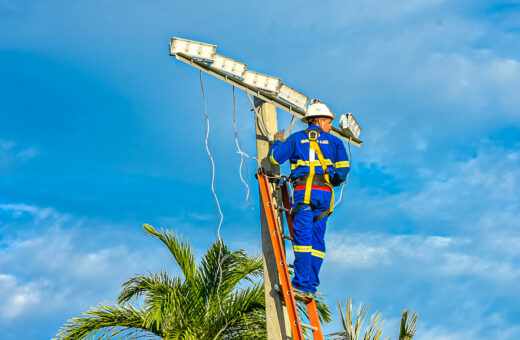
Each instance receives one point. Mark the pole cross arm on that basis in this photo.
(264, 95)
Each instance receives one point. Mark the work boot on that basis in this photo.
(300, 294)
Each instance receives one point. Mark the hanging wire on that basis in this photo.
(242, 154)
(218, 210)
(346, 179)
(288, 131)
(260, 120)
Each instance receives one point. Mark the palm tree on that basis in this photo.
(353, 328)
(221, 298)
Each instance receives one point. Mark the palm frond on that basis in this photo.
(110, 319)
(408, 325)
(223, 270)
(180, 248)
(138, 285)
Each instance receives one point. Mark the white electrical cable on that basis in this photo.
(218, 210)
(340, 195)
(288, 131)
(260, 120)
(242, 154)
(346, 179)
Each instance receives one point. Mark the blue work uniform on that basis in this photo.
(311, 212)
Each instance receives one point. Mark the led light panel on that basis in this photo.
(228, 65)
(293, 96)
(262, 81)
(192, 48)
(349, 124)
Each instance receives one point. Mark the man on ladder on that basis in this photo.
(318, 163)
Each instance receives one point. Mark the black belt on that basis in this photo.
(317, 180)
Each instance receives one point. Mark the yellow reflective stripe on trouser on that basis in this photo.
(318, 253)
(342, 164)
(316, 147)
(302, 249)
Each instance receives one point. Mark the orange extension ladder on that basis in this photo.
(277, 237)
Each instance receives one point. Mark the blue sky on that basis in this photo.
(102, 131)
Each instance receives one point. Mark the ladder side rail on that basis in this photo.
(285, 280)
(314, 319)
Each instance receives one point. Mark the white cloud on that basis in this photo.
(469, 191)
(17, 298)
(465, 222)
(70, 264)
(19, 210)
(500, 330)
(481, 84)
(440, 333)
(11, 155)
(363, 250)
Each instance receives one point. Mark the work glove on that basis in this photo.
(279, 136)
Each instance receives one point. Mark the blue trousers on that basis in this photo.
(309, 242)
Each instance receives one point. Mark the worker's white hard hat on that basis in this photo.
(317, 109)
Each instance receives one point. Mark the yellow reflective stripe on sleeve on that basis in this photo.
(342, 164)
(273, 160)
(317, 253)
(302, 249)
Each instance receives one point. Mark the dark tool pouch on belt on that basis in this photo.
(297, 208)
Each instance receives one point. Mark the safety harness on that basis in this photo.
(314, 150)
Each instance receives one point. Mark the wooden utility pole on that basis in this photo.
(278, 327)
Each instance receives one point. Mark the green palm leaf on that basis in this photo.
(408, 325)
(113, 320)
(181, 249)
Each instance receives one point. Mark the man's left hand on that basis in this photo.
(279, 136)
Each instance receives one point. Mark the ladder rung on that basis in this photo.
(283, 209)
(287, 237)
(313, 328)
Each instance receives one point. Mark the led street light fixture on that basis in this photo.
(192, 48)
(228, 65)
(262, 81)
(349, 125)
(292, 96)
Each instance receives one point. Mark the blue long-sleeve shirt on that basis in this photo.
(296, 150)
